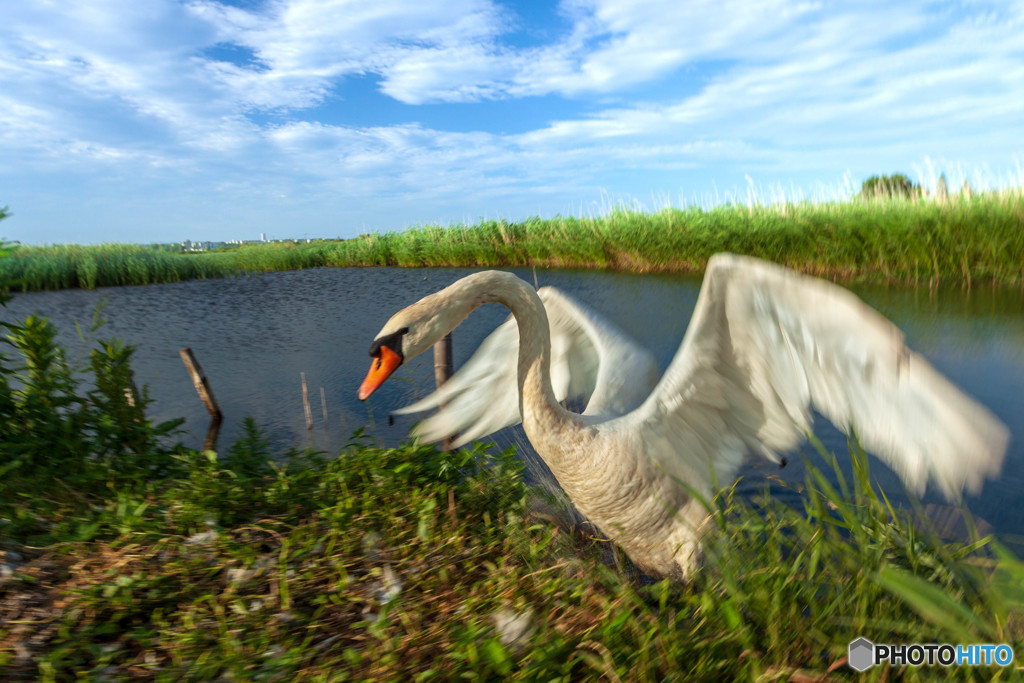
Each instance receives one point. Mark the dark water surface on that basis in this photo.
(255, 335)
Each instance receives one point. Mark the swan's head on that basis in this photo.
(409, 333)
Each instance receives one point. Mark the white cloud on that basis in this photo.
(463, 73)
(426, 52)
(765, 87)
(304, 46)
(98, 69)
(858, 89)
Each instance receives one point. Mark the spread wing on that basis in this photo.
(590, 358)
(766, 345)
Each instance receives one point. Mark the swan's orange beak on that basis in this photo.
(381, 368)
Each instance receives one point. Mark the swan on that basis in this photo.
(764, 346)
(591, 358)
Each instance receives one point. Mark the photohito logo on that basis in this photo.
(864, 654)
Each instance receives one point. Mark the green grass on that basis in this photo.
(138, 558)
(976, 240)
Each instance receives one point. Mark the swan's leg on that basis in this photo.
(687, 550)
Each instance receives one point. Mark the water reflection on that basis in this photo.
(255, 335)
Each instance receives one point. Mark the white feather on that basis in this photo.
(765, 345)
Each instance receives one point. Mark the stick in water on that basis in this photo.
(305, 404)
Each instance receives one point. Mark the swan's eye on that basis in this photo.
(393, 341)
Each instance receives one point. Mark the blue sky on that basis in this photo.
(165, 120)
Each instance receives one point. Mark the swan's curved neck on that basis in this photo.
(543, 417)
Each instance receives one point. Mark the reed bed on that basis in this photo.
(978, 239)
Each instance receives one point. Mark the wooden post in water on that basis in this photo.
(202, 385)
(210, 442)
(442, 371)
(195, 370)
(323, 406)
(305, 404)
(131, 392)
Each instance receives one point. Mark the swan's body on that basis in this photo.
(764, 346)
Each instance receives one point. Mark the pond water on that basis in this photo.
(255, 335)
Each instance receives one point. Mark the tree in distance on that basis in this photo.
(889, 186)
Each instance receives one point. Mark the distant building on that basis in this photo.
(189, 245)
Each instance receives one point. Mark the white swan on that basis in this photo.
(591, 359)
(763, 347)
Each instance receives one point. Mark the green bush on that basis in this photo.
(889, 187)
(49, 423)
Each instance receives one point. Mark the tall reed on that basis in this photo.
(961, 239)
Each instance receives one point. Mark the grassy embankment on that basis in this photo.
(125, 556)
(976, 240)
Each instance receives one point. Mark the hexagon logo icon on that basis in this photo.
(862, 654)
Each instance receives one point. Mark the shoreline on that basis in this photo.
(902, 242)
